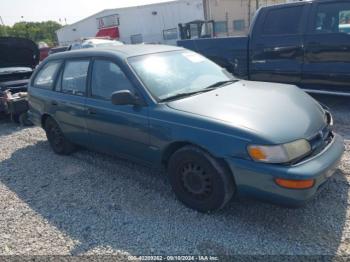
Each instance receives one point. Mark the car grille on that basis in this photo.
(319, 141)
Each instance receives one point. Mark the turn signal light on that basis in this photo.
(295, 184)
(257, 154)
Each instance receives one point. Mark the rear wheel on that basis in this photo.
(199, 181)
(56, 138)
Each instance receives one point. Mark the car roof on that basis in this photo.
(295, 3)
(123, 51)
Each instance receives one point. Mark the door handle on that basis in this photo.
(282, 48)
(286, 48)
(54, 103)
(258, 61)
(91, 111)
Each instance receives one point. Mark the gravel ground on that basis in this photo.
(90, 203)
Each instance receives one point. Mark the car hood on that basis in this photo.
(18, 52)
(278, 113)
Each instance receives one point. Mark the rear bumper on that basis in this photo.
(257, 179)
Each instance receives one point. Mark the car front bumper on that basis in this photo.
(258, 179)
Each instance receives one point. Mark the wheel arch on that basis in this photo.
(44, 117)
(175, 146)
(171, 149)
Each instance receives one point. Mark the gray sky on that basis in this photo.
(11, 11)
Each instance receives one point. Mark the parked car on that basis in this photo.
(18, 58)
(216, 135)
(94, 42)
(303, 43)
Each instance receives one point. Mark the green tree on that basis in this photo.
(36, 31)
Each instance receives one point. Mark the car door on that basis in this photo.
(68, 104)
(327, 47)
(117, 129)
(276, 46)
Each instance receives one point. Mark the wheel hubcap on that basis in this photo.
(196, 180)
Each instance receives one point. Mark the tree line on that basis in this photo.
(36, 31)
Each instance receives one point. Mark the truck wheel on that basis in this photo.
(198, 180)
(56, 138)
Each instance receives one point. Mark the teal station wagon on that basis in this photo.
(166, 106)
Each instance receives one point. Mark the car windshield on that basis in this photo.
(177, 73)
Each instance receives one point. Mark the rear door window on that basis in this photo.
(283, 21)
(75, 76)
(46, 77)
(332, 18)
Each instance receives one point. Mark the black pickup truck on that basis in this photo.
(303, 43)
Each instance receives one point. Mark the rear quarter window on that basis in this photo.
(46, 76)
(283, 21)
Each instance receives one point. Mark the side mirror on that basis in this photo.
(125, 97)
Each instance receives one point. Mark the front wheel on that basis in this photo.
(56, 138)
(199, 181)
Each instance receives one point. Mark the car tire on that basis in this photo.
(59, 144)
(199, 180)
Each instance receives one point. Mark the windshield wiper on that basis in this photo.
(222, 83)
(207, 89)
(185, 94)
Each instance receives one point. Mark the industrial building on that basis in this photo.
(158, 23)
(154, 23)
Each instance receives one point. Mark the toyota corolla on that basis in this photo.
(217, 136)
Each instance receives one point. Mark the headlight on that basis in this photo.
(280, 153)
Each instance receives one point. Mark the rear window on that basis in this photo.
(332, 18)
(283, 21)
(47, 75)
